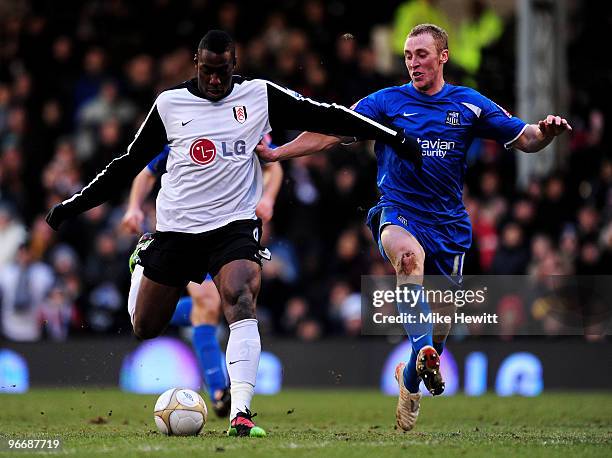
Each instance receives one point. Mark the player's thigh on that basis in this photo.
(165, 266)
(403, 250)
(238, 283)
(206, 303)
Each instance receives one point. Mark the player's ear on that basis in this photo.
(195, 58)
(444, 56)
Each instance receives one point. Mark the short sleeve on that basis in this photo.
(370, 106)
(497, 124)
(158, 165)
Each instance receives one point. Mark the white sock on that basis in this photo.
(242, 360)
(134, 287)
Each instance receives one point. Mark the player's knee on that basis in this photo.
(245, 306)
(209, 314)
(200, 297)
(410, 263)
(207, 302)
(241, 306)
(206, 309)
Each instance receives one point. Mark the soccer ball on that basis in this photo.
(180, 412)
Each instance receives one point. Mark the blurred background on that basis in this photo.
(77, 79)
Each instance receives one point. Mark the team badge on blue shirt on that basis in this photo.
(452, 118)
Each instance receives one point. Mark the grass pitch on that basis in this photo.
(341, 423)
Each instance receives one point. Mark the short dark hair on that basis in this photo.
(438, 34)
(217, 41)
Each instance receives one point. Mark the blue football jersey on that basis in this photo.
(444, 125)
(158, 165)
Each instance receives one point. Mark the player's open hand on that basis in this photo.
(132, 220)
(553, 126)
(266, 153)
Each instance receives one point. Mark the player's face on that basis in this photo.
(425, 64)
(214, 73)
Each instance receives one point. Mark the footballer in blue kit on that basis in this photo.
(429, 204)
(420, 223)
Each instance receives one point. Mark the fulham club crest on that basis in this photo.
(240, 114)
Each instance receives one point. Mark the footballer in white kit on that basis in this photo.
(206, 220)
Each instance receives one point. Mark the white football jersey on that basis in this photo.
(213, 174)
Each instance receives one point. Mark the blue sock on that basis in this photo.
(420, 334)
(207, 350)
(411, 379)
(182, 313)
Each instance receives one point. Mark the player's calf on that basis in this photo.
(238, 283)
(146, 327)
(150, 304)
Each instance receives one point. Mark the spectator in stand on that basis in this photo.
(139, 84)
(588, 224)
(480, 29)
(12, 234)
(414, 12)
(93, 76)
(5, 98)
(553, 210)
(57, 313)
(512, 256)
(24, 284)
(106, 105)
(296, 311)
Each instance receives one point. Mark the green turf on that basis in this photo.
(320, 423)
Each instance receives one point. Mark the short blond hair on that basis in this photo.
(438, 34)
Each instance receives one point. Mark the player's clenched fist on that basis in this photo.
(132, 220)
(266, 153)
(553, 126)
(265, 209)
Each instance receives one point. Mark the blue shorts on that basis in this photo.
(445, 245)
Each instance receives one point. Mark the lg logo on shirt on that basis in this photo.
(204, 151)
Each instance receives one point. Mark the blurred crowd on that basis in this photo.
(76, 81)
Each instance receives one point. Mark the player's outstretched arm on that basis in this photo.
(141, 187)
(537, 136)
(273, 179)
(150, 137)
(303, 145)
(290, 110)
